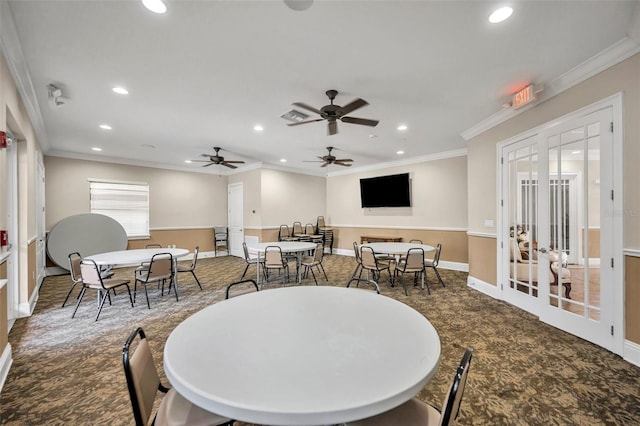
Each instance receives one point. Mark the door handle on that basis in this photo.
(542, 250)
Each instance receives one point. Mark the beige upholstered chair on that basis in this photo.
(308, 262)
(433, 264)
(297, 229)
(182, 267)
(250, 260)
(285, 235)
(241, 283)
(412, 263)
(143, 383)
(76, 276)
(416, 413)
(371, 263)
(273, 260)
(358, 270)
(92, 280)
(160, 270)
(220, 239)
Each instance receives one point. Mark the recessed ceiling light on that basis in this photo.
(120, 90)
(400, 152)
(402, 127)
(576, 152)
(105, 127)
(188, 161)
(96, 149)
(156, 6)
(258, 128)
(283, 160)
(148, 146)
(500, 15)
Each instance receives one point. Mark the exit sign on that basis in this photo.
(523, 97)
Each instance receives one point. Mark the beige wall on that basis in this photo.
(177, 199)
(632, 296)
(438, 198)
(623, 77)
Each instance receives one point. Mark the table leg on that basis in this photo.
(299, 267)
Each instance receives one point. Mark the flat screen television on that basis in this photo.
(386, 191)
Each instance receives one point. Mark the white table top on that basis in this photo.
(131, 257)
(285, 246)
(397, 248)
(302, 355)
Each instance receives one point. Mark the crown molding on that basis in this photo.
(12, 50)
(614, 54)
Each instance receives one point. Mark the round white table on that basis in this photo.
(302, 356)
(397, 248)
(132, 257)
(297, 247)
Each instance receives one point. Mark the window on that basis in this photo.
(127, 203)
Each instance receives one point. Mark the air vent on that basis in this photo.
(295, 116)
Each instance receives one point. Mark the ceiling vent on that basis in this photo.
(295, 116)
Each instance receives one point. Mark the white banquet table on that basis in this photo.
(297, 247)
(302, 355)
(132, 257)
(397, 248)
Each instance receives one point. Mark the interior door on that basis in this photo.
(236, 221)
(520, 207)
(580, 298)
(13, 301)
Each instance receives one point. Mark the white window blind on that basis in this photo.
(127, 203)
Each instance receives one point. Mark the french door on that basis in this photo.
(236, 220)
(557, 227)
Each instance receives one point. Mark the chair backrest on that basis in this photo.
(356, 251)
(246, 251)
(415, 241)
(436, 256)
(74, 267)
(90, 273)
(451, 406)
(283, 232)
(320, 222)
(297, 228)
(161, 266)
(273, 257)
(415, 259)
(309, 229)
(154, 245)
(318, 253)
(142, 377)
(368, 258)
(195, 257)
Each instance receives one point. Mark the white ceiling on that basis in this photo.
(206, 72)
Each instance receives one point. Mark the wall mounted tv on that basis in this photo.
(386, 191)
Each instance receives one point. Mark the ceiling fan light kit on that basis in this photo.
(332, 113)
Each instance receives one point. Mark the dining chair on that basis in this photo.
(92, 280)
(190, 268)
(220, 239)
(412, 263)
(285, 235)
(359, 280)
(358, 269)
(371, 263)
(433, 264)
(144, 266)
(417, 413)
(237, 283)
(143, 383)
(308, 262)
(76, 276)
(250, 260)
(310, 230)
(273, 260)
(160, 270)
(297, 229)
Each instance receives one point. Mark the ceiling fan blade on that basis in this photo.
(226, 164)
(234, 162)
(201, 161)
(325, 165)
(205, 155)
(345, 160)
(311, 161)
(307, 107)
(305, 122)
(352, 106)
(341, 164)
(210, 164)
(332, 128)
(363, 121)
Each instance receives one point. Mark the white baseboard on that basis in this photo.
(452, 266)
(632, 352)
(5, 364)
(484, 287)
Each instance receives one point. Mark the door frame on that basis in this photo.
(235, 216)
(616, 241)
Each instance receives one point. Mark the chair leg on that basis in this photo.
(79, 300)
(68, 294)
(130, 299)
(403, 284)
(196, 278)
(438, 275)
(313, 275)
(324, 272)
(101, 305)
(146, 293)
(246, 268)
